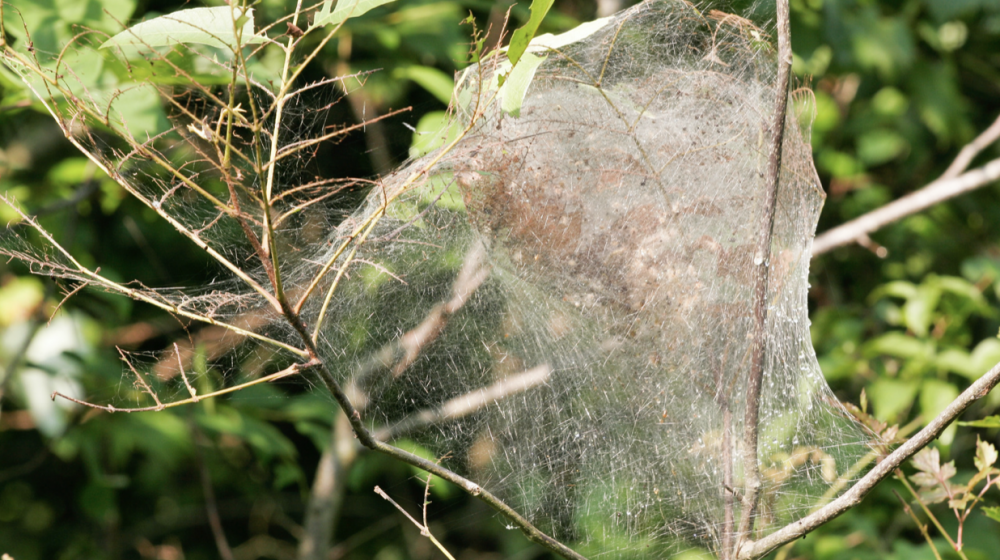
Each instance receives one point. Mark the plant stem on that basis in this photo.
(927, 512)
(762, 256)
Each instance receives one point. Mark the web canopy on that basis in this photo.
(562, 304)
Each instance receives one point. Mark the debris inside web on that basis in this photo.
(581, 266)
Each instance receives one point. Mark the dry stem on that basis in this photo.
(762, 257)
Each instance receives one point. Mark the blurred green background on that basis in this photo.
(900, 86)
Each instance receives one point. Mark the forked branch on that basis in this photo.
(953, 182)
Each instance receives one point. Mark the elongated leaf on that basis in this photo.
(514, 89)
(438, 83)
(207, 26)
(345, 9)
(988, 422)
(548, 41)
(522, 37)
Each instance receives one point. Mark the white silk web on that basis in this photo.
(584, 271)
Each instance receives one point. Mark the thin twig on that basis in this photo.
(930, 515)
(141, 380)
(291, 370)
(762, 257)
(971, 150)
(423, 528)
(934, 193)
(921, 526)
(466, 404)
(180, 366)
(211, 508)
(854, 495)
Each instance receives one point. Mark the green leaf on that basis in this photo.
(516, 87)
(548, 41)
(919, 310)
(899, 345)
(993, 513)
(434, 130)
(207, 26)
(988, 422)
(345, 10)
(970, 365)
(889, 397)
(935, 396)
(522, 37)
(986, 455)
(436, 82)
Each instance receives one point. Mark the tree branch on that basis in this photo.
(936, 192)
(466, 404)
(949, 185)
(762, 257)
(851, 498)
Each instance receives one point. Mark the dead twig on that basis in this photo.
(423, 528)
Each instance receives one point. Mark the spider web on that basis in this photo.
(585, 269)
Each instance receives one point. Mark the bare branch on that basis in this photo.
(294, 369)
(141, 381)
(466, 404)
(851, 498)
(423, 528)
(971, 150)
(938, 191)
(762, 257)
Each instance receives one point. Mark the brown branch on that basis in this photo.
(291, 370)
(851, 498)
(142, 381)
(424, 530)
(327, 493)
(466, 404)
(971, 150)
(474, 272)
(938, 191)
(950, 184)
(762, 257)
(211, 508)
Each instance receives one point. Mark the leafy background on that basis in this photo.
(900, 85)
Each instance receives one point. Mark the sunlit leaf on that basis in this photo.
(522, 37)
(988, 422)
(207, 26)
(436, 82)
(993, 513)
(345, 10)
(516, 87)
(986, 455)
